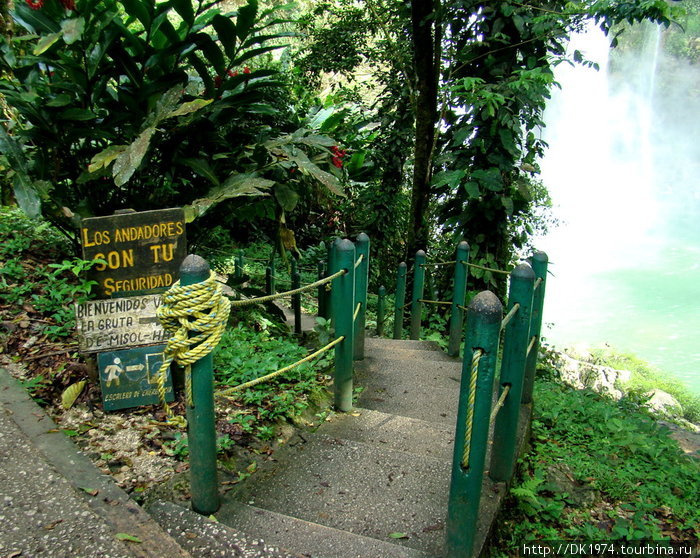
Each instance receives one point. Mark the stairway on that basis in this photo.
(372, 483)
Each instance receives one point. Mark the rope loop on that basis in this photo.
(195, 317)
(476, 357)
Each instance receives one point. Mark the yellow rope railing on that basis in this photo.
(438, 302)
(436, 264)
(499, 403)
(357, 311)
(359, 260)
(476, 357)
(200, 309)
(268, 298)
(531, 345)
(492, 270)
(538, 282)
(509, 316)
(271, 375)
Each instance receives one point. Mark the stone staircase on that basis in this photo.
(372, 483)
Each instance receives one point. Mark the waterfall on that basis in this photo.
(621, 172)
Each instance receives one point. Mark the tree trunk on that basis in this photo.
(426, 72)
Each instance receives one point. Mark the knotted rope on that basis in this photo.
(195, 317)
(476, 357)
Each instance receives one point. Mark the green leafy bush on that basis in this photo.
(643, 486)
(147, 104)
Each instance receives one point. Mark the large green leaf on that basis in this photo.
(105, 157)
(184, 9)
(127, 162)
(26, 195)
(236, 185)
(189, 107)
(226, 30)
(45, 43)
(211, 52)
(202, 168)
(255, 52)
(137, 9)
(75, 113)
(12, 150)
(286, 197)
(246, 19)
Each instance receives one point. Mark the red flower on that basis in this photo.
(35, 4)
(217, 81)
(338, 155)
(246, 70)
(231, 73)
(68, 4)
(338, 152)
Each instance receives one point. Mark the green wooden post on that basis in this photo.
(515, 341)
(238, 272)
(418, 288)
(539, 261)
(381, 303)
(320, 274)
(361, 282)
(201, 430)
(483, 327)
(399, 300)
(342, 297)
(296, 299)
(459, 295)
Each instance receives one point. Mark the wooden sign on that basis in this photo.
(142, 251)
(109, 324)
(128, 378)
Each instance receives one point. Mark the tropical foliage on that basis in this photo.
(142, 104)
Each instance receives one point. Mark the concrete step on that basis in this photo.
(398, 344)
(205, 538)
(389, 353)
(415, 389)
(394, 432)
(359, 488)
(307, 538)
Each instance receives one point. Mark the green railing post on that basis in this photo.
(418, 288)
(515, 341)
(483, 326)
(201, 430)
(361, 282)
(381, 303)
(296, 299)
(399, 300)
(539, 261)
(342, 297)
(238, 272)
(320, 274)
(459, 295)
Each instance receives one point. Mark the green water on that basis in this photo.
(652, 310)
